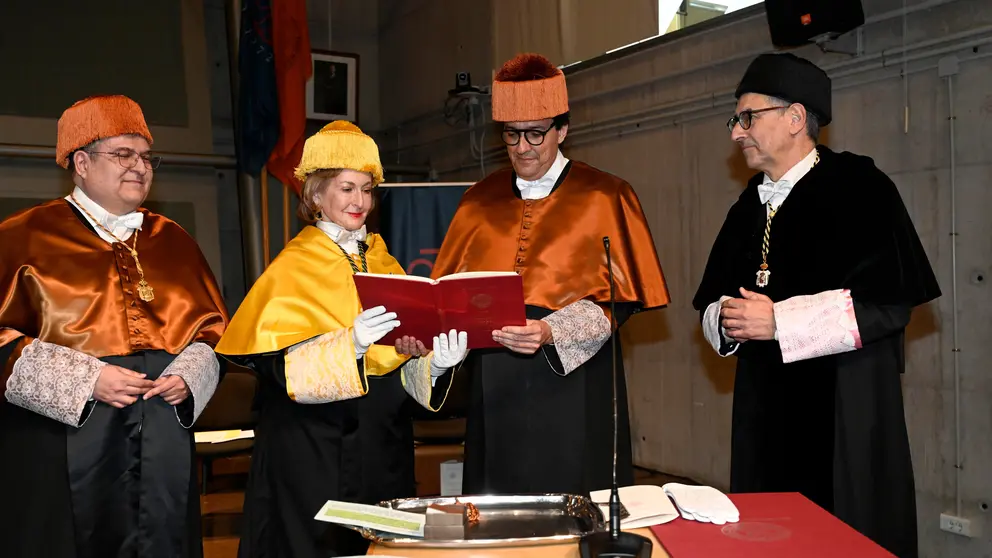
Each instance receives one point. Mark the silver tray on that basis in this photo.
(503, 521)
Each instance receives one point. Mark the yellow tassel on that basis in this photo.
(340, 145)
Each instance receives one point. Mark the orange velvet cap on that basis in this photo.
(95, 118)
(528, 87)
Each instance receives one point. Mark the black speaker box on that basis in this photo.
(798, 22)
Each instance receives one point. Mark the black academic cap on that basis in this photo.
(790, 78)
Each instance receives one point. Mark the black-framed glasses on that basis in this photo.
(744, 117)
(128, 158)
(511, 136)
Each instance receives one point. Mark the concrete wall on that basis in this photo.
(658, 117)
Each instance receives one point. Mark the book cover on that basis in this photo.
(771, 525)
(474, 302)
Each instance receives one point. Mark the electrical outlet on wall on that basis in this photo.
(955, 524)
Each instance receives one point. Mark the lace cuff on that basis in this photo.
(811, 326)
(324, 369)
(54, 381)
(579, 330)
(197, 365)
(418, 381)
(714, 333)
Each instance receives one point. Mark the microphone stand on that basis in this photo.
(614, 543)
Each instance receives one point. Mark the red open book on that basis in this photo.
(475, 302)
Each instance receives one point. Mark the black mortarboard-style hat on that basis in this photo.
(790, 78)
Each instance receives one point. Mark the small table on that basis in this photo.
(541, 551)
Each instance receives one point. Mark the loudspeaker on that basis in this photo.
(798, 22)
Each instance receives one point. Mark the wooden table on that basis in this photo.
(543, 551)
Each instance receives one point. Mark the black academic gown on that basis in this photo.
(356, 450)
(122, 485)
(530, 430)
(832, 427)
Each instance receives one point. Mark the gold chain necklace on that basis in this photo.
(145, 291)
(763, 272)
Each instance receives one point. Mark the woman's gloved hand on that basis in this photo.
(371, 326)
(449, 350)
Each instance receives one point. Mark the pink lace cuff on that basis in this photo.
(54, 381)
(197, 365)
(811, 326)
(579, 330)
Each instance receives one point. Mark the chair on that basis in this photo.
(231, 408)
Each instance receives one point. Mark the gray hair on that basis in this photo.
(812, 120)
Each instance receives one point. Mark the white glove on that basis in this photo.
(702, 503)
(449, 350)
(371, 326)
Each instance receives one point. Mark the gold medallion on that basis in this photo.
(145, 291)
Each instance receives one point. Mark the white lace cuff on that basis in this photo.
(197, 365)
(579, 330)
(714, 333)
(54, 381)
(324, 369)
(811, 326)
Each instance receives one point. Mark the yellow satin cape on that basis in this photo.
(305, 292)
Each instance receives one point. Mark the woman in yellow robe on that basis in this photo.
(333, 423)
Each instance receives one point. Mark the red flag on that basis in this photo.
(291, 46)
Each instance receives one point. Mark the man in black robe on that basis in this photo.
(810, 284)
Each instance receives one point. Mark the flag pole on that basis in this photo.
(265, 215)
(285, 214)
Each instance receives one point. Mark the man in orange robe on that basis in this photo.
(541, 412)
(108, 320)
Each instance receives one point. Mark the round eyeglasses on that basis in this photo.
(511, 136)
(744, 117)
(128, 158)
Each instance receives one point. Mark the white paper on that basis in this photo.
(374, 517)
(451, 478)
(220, 436)
(648, 505)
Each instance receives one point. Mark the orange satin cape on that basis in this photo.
(63, 284)
(556, 243)
(308, 290)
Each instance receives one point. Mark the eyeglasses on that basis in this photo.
(511, 136)
(744, 117)
(128, 158)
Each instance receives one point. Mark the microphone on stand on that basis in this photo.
(614, 543)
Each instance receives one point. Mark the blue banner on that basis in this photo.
(258, 110)
(414, 220)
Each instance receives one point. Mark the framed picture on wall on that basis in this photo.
(332, 92)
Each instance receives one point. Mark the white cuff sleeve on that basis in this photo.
(715, 335)
(54, 381)
(198, 366)
(579, 330)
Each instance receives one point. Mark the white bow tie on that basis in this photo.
(543, 182)
(768, 190)
(344, 236)
(131, 220)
